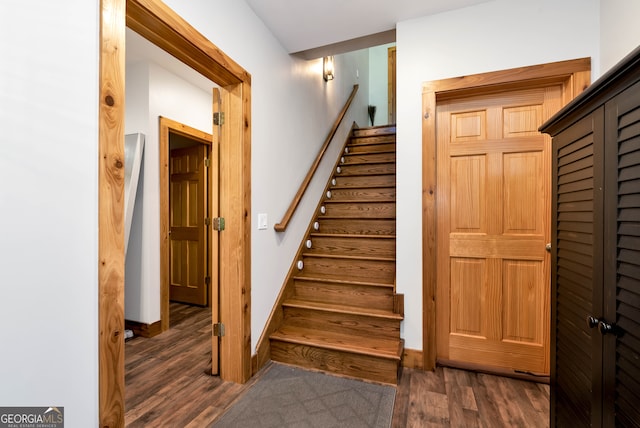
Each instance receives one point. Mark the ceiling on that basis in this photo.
(311, 29)
(305, 27)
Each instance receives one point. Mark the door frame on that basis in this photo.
(167, 127)
(573, 75)
(391, 85)
(162, 26)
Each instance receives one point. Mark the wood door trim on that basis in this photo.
(168, 126)
(159, 24)
(111, 214)
(574, 75)
(391, 85)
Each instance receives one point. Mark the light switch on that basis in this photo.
(262, 221)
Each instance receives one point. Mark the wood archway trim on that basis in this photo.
(573, 75)
(159, 24)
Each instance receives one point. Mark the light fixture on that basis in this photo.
(328, 72)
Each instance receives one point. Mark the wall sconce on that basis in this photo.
(328, 72)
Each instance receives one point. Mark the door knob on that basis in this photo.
(592, 321)
(548, 247)
(606, 328)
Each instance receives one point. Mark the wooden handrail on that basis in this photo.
(282, 226)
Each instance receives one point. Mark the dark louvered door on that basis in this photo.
(576, 349)
(622, 260)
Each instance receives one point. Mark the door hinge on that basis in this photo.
(218, 118)
(218, 224)
(218, 329)
(207, 162)
(207, 280)
(207, 221)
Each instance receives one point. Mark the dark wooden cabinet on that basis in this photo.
(595, 310)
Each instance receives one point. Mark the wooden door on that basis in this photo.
(188, 234)
(493, 175)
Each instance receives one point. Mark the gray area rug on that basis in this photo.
(291, 397)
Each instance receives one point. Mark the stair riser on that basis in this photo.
(362, 296)
(364, 270)
(368, 158)
(366, 181)
(353, 246)
(383, 168)
(359, 227)
(344, 363)
(359, 137)
(367, 148)
(361, 210)
(365, 195)
(342, 323)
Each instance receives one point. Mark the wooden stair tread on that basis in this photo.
(364, 135)
(360, 186)
(374, 132)
(347, 257)
(369, 152)
(342, 281)
(355, 217)
(382, 348)
(363, 174)
(364, 147)
(351, 235)
(366, 174)
(371, 140)
(346, 164)
(342, 309)
(359, 201)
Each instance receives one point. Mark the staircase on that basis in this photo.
(343, 315)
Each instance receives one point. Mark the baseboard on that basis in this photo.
(254, 364)
(412, 359)
(142, 329)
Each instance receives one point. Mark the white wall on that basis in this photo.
(379, 82)
(620, 32)
(48, 195)
(492, 36)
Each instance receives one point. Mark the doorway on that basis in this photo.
(444, 305)
(160, 25)
(189, 194)
(494, 215)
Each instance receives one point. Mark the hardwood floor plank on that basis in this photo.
(400, 408)
(488, 408)
(134, 413)
(168, 385)
(454, 393)
(428, 403)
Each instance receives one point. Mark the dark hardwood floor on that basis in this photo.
(168, 384)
